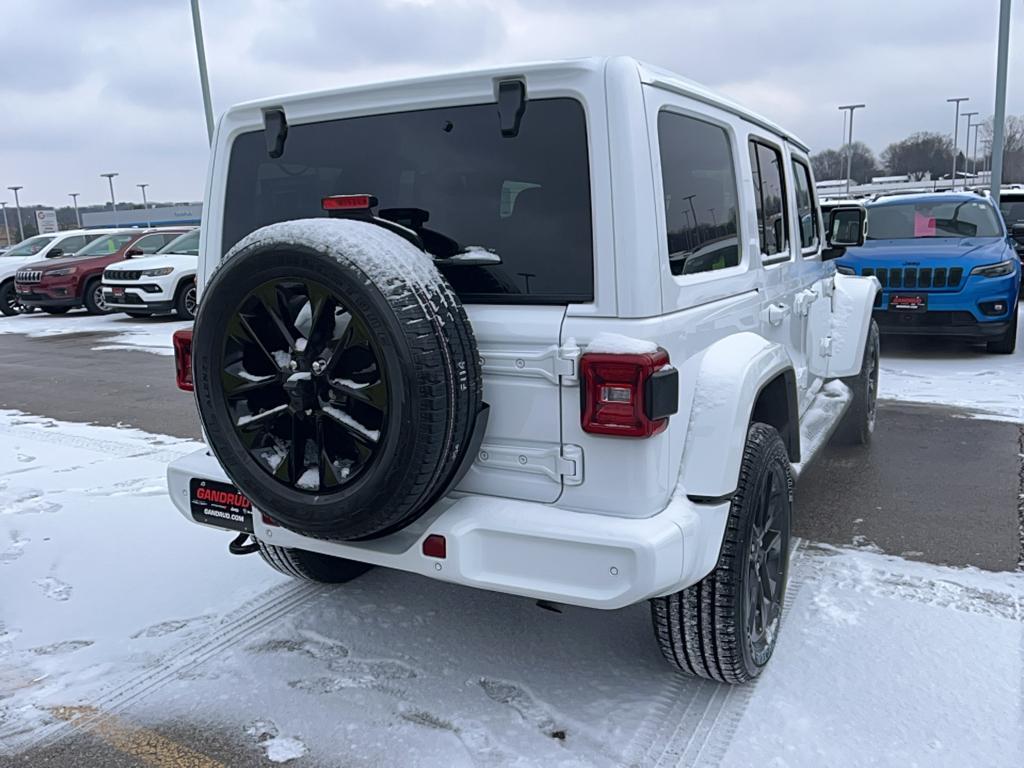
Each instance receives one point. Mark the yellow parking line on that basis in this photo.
(141, 743)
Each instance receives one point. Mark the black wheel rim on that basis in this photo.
(304, 385)
(766, 564)
(872, 393)
(15, 306)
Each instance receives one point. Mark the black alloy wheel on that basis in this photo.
(766, 564)
(304, 385)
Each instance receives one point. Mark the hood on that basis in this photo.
(11, 264)
(943, 251)
(182, 261)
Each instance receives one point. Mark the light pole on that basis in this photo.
(113, 202)
(696, 226)
(849, 144)
(967, 143)
(7, 229)
(956, 135)
(145, 204)
(74, 201)
(17, 212)
(204, 79)
(975, 153)
(999, 120)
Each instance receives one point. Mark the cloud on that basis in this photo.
(113, 84)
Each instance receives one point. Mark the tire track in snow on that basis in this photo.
(696, 720)
(250, 617)
(49, 431)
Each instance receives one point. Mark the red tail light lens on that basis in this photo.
(435, 546)
(183, 358)
(628, 395)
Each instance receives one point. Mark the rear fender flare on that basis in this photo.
(730, 376)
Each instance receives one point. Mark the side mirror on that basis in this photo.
(133, 252)
(55, 253)
(1017, 231)
(845, 230)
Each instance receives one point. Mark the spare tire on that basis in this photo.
(337, 376)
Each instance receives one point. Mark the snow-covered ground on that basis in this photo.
(113, 606)
(118, 330)
(949, 372)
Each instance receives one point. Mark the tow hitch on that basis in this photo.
(239, 547)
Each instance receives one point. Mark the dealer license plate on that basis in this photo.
(909, 302)
(220, 504)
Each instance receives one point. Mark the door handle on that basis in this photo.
(777, 313)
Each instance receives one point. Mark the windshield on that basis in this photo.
(449, 174)
(29, 247)
(106, 245)
(943, 218)
(1013, 211)
(187, 244)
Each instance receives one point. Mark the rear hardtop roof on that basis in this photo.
(647, 74)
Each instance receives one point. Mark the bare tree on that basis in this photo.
(918, 155)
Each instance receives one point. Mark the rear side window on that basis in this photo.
(450, 175)
(806, 208)
(151, 243)
(770, 196)
(699, 180)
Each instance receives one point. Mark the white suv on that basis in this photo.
(35, 249)
(156, 285)
(565, 331)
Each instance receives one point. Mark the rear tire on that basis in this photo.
(94, 302)
(725, 626)
(185, 301)
(311, 566)
(858, 422)
(1008, 343)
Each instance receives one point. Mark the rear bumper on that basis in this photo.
(523, 548)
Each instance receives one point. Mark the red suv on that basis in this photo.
(57, 285)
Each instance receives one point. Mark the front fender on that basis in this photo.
(730, 375)
(852, 302)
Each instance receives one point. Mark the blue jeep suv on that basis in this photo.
(946, 265)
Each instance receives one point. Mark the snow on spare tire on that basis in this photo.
(337, 376)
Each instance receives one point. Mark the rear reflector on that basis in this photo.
(349, 203)
(435, 546)
(183, 358)
(628, 395)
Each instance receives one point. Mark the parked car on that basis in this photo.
(61, 284)
(1011, 205)
(32, 250)
(475, 283)
(155, 285)
(946, 266)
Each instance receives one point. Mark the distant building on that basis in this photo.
(168, 215)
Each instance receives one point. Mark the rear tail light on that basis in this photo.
(630, 395)
(435, 546)
(183, 358)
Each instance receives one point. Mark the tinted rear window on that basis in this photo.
(525, 198)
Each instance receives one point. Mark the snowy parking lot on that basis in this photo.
(130, 637)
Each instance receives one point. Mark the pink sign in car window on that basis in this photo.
(924, 226)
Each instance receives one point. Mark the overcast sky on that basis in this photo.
(112, 85)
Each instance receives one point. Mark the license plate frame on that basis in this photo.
(909, 302)
(219, 504)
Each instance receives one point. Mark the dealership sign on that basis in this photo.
(46, 220)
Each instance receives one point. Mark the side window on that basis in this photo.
(699, 177)
(72, 244)
(770, 196)
(150, 243)
(806, 205)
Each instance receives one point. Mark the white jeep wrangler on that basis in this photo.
(563, 330)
